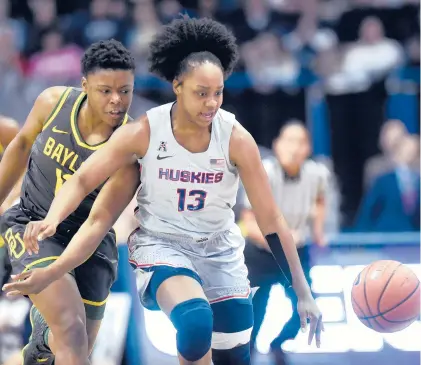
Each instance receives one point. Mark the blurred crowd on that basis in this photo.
(344, 49)
(285, 45)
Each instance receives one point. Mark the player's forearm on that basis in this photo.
(289, 249)
(66, 201)
(12, 197)
(82, 246)
(12, 166)
(250, 229)
(15, 193)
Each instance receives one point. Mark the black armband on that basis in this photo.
(280, 258)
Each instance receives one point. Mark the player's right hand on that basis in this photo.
(309, 312)
(37, 231)
(29, 282)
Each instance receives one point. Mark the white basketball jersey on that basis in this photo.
(184, 193)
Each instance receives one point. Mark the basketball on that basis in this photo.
(386, 296)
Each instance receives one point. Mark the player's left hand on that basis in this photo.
(37, 231)
(308, 310)
(29, 282)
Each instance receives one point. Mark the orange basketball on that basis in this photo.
(386, 296)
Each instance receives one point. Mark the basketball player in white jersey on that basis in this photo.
(187, 251)
(298, 186)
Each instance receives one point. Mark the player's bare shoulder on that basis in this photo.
(42, 109)
(136, 135)
(48, 99)
(242, 145)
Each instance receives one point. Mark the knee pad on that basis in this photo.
(193, 320)
(233, 323)
(239, 355)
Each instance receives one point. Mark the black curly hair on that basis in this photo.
(186, 42)
(109, 54)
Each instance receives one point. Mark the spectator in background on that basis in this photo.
(207, 8)
(413, 50)
(275, 97)
(308, 39)
(252, 18)
(44, 16)
(391, 135)
(168, 10)
(269, 64)
(373, 55)
(17, 26)
(330, 11)
(13, 332)
(56, 62)
(310, 36)
(392, 203)
(356, 98)
(104, 20)
(11, 74)
(145, 26)
(118, 10)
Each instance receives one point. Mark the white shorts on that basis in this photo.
(218, 262)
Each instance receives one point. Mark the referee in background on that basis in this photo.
(298, 185)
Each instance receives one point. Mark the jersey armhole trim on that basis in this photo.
(125, 120)
(231, 166)
(147, 153)
(57, 108)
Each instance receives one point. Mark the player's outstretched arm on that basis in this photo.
(244, 153)
(16, 155)
(123, 148)
(110, 203)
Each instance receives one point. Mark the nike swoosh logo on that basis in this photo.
(55, 130)
(163, 157)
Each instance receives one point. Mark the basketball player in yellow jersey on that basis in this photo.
(64, 127)
(9, 128)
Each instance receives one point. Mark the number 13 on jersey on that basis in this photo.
(198, 198)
